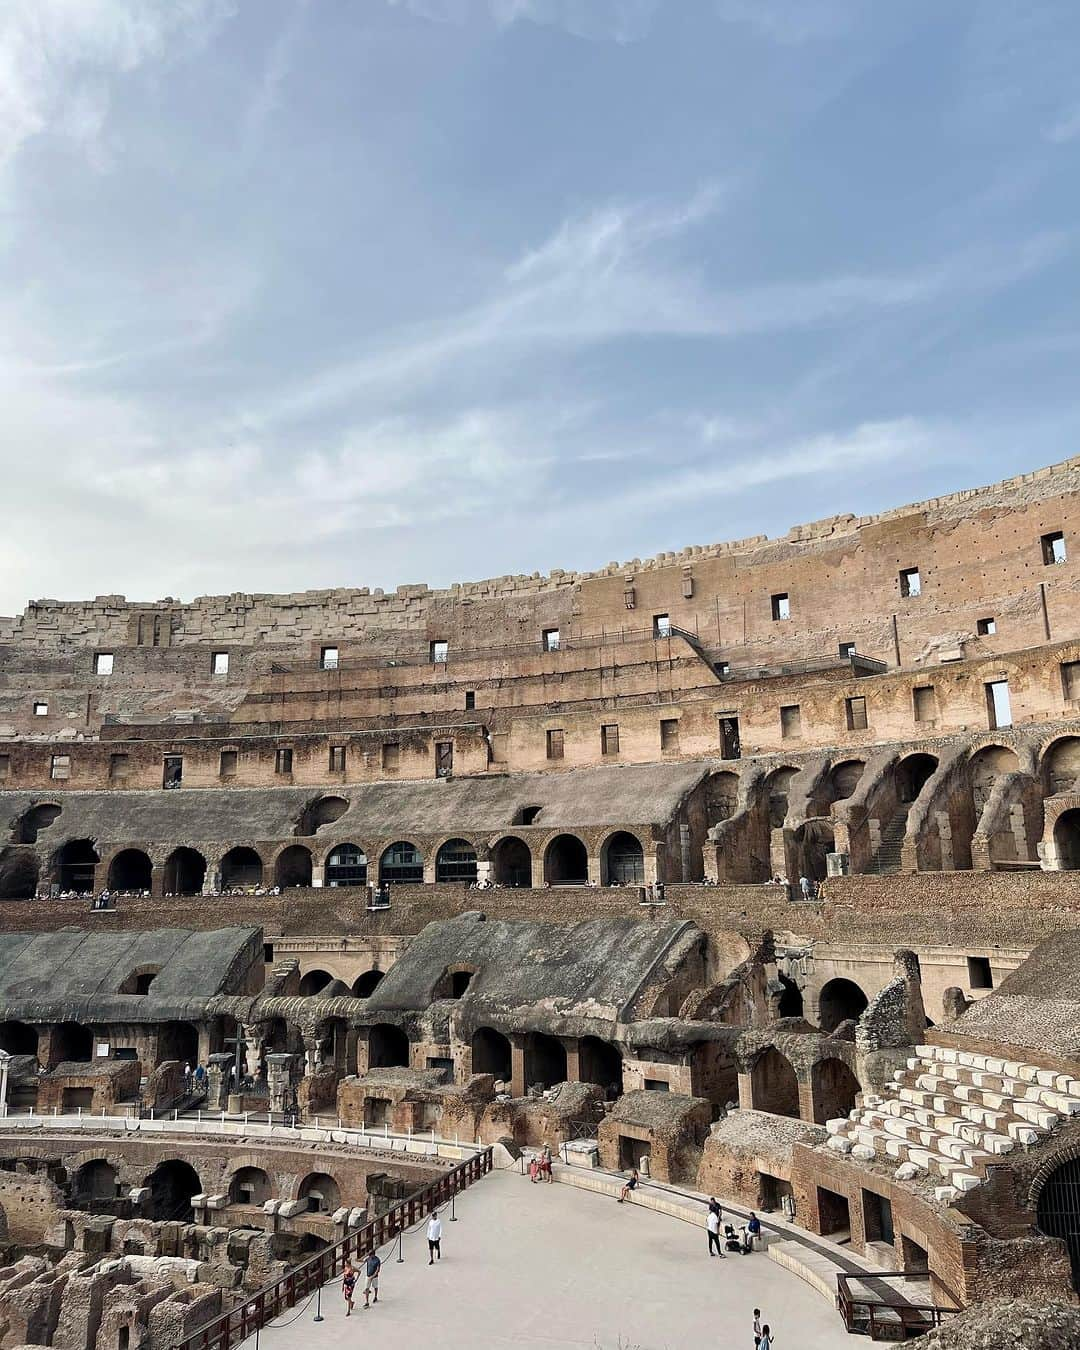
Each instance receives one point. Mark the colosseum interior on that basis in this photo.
(755, 866)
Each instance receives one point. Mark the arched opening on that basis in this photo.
(402, 864)
(94, 1184)
(241, 867)
(986, 766)
(791, 1000)
(185, 872)
(512, 862)
(32, 822)
(721, 797)
(1061, 765)
(322, 812)
(773, 1085)
(75, 865)
(912, 775)
(19, 872)
(566, 862)
(456, 861)
(346, 866)
(18, 1039)
(545, 1060)
(841, 1001)
(314, 982)
(321, 1192)
(72, 1043)
(139, 981)
(844, 779)
(130, 870)
(1056, 1214)
(179, 1041)
(1067, 840)
(293, 867)
(600, 1062)
(249, 1186)
(777, 787)
(623, 860)
(365, 985)
(833, 1086)
(814, 841)
(172, 1184)
(491, 1053)
(388, 1047)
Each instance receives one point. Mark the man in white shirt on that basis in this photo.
(712, 1223)
(434, 1238)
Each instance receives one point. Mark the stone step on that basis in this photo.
(1064, 1083)
(946, 1157)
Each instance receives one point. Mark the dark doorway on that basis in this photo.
(912, 775)
(241, 867)
(624, 860)
(293, 867)
(172, 1184)
(185, 872)
(130, 870)
(365, 985)
(841, 1001)
(75, 866)
(545, 1060)
(773, 1085)
(1059, 1211)
(512, 862)
(600, 1062)
(388, 1047)
(834, 1214)
(877, 1218)
(566, 862)
(491, 1053)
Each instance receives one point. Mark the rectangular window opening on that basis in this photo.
(219, 663)
(41, 708)
(998, 705)
(470, 700)
(444, 759)
(790, 722)
(730, 742)
(119, 767)
(847, 650)
(551, 639)
(910, 582)
(5, 766)
(924, 702)
(328, 658)
(103, 663)
(1070, 679)
(661, 626)
(337, 759)
(669, 733)
(781, 606)
(609, 739)
(173, 771)
(283, 761)
(61, 766)
(1053, 548)
(555, 744)
(980, 973)
(391, 756)
(227, 764)
(440, 652)
(986, 627)
(856, 714)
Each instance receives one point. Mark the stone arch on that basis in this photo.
(1054, 1189)
(833, 1087)
(18, 1038)
(365, 985)
(20, 870)
(346, 865)
(566, 861)
(249, 1186)
(814, 840)
(241, 866)
(130, 870)
(777, 787)
(94, 1183)
(791, 1000)
(388, 1047)
(840, 1000)
(455, 861)
(76, 860)
(72, 1043)
(600, 1062)
(491, 1053)
(172, 1183)
(321, 1191)
(912, 774)
(292, 867)
(1067, 840)
(545, 1059)
(401, 864)
(313, 982)
(774, 1086)
(844, 778)
(511, 862)
(985, 766)
(139, 980)
(321, 812)
(30, 824)
(622, 860)
(185, 872)
(1061, 765)
(721, 796)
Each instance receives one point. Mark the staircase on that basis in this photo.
(950, 1114)
(887, 859)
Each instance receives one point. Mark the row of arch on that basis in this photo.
(565, 862)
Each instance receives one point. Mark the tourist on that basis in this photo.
(712, 1224)
(630, 1186)
(806, 888)
(434, 1238)
(766, 1338)
(187, 1076)
(348, 1284)
(534, 1169)
(372, 1266)
(753, 1229)
(545, 1163)
(757, 1327)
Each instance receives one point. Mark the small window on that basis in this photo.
(337, 759)
(661, 626)
(910, 582)
(440, 652)
(657, 1085)
(986, 627)
(669, 733)
(172, 771)
(391, 756)
(227, 764)
(119, 767)
(328, 658)
(219, 663)
(555, 745)
(723, 668)
(526, 815)
(470, 700)
(609, 739)
(1070, 679)
(781, 606)
(283, 761)
(41, 708)
(790, 722)
(444, 759)
(61, 766)
(103, 663)
(551, 639)
(924, 703)
(847, 650)
(1053, 548)
(5, 766)
(856, 714)
(998, 706)
(268, 953)
(980, 973)
(730, 741)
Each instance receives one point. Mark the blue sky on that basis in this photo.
(303, 293)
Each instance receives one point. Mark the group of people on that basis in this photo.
(372, 1266)
(742, 1241)
(540, 1166)
(808, 887)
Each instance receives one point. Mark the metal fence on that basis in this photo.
(273, 1299)
(888, 1316)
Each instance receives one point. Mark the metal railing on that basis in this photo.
(880, 1317)
(273, 1299)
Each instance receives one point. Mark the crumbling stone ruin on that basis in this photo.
(753, 865)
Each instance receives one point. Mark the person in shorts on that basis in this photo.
(372, 1266)
(630, 1186)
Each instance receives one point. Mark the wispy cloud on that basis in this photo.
(597, 20)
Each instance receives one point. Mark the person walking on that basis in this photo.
(348, 1285)
(757, 1328)
(434, 1238)
(766, 1341)
(712, 1224)
(372, 1266)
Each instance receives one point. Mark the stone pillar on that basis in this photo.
(653, 865)
(311, 1055)
(279, 1078)
(157, 880)
(318, 874)
(594, 868)
(537, 867)
(572, 1046)
(517, 1065)
(217, 1081)
(837, 864)
(429, 869)
(252, 1050)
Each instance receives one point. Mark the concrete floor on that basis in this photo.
(554, 1267)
